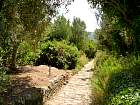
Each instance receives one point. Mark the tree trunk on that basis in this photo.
(13, 59)
(49, 70)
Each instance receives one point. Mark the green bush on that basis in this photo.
(58, 54)
(5, 56)
(117, 80)
(81, 61)
(90, 49)
(26, 55)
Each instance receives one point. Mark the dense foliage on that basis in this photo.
(112, 39)
(117, 80)
(74, 34)
(26, 54)
(79, 34)
(58, 54)
(23, 20)
(60, 30)
(27, 37)
(117, 77)
(123, 15)
(90, 49)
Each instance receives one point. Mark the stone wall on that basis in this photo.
(36, 96)
(54, 86)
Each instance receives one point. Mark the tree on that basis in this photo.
(125, 13)
(79, 33)
(61, 29)
(124, 10)
(23, 20)
(111, 38)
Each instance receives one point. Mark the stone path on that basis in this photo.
(77, 91)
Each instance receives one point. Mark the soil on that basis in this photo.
(38, 76)
(30, 78)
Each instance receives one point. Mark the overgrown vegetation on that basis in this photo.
(28, 37)
(116, 80)
(4, 82)
(56, 47)
(58, 54)
(21, 33)
(26, 55)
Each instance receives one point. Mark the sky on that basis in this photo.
(81, 9)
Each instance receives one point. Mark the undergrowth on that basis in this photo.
(4, 82)
(116, 80)
(59, 54)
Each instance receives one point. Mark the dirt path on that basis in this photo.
(77, 91)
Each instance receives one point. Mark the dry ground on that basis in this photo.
(38, 76)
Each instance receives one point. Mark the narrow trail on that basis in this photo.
(77, 91)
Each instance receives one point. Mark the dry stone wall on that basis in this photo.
(37, 96)
(54, 86)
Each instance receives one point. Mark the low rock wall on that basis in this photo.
(54, 86)
(37, 96)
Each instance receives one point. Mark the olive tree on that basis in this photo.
(24, 20)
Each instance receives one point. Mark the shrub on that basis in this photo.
(4, 56)
(58, 54)
(81, 61)
(90, 49)
(26, 55)
(116, 80)
(100, 57)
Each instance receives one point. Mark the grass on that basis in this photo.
(116, 80)
(81, 62)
